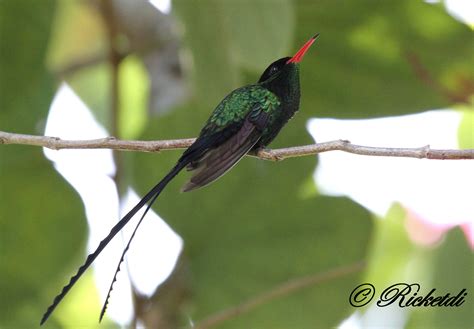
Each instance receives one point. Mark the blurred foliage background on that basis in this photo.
(149, 75)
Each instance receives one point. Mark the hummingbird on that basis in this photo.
(246, 120)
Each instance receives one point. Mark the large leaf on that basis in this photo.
(78, 54)
(265, 245)
(25, 87)
(226, 35)
(396, 259)
(78, 36)
(40, 237)
(255, 37)
(466, 128)
(452, 271)
(38, 234)
(368, 58)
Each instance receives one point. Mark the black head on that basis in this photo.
(274, 68)
(280, 65)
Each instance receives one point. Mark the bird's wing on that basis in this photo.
(233, 129)
(216, 161)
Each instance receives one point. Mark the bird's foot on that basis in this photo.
(267, 154)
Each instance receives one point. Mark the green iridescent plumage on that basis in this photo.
(238, 104)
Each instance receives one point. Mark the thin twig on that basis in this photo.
(279, 291)
(107, 9)
(426, 77)
(82, 63)
(56, 143)
(114, 58)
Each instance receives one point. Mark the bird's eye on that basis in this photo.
(269, 72)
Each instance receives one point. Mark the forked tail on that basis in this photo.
(150, 196)
(117, 270)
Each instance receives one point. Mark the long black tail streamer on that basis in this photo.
(151, 195)
(104, 307)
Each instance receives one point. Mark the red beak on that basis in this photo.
(299, 55)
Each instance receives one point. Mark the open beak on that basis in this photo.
(299, 55)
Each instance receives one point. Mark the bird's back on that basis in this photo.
(235, 107)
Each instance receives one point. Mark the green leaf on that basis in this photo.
(447, 280)
(78, 35)
(26, 88)
(92, 85)
(390, 249)
(263, 248)
(452, 271)
(224, 36)
(133, 93)
(255, 38)
(466, 128)
(214, 73)
(363, 63)
(39, 236)
(78, 53)
(395, 259)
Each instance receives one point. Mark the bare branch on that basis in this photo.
(55, 143)
(461, 95)
(279, 291)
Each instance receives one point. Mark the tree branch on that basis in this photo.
(55, 143)
(420, 70)
(279, 291)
